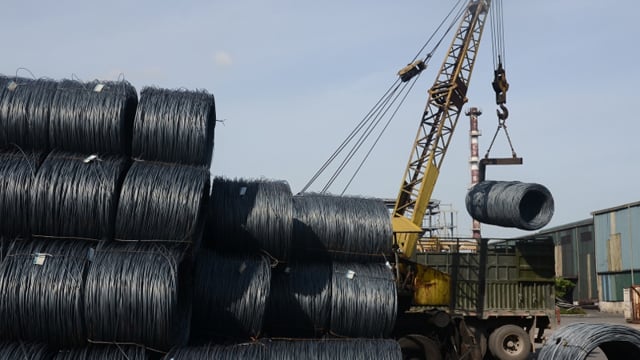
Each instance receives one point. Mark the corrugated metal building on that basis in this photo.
(617, 239)
(575, 258)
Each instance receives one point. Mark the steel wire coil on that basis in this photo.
(525, 206)
(93, 117)
(341, 228)
(299, 300)
(251, 215)
(363, 300)
(41, 292)
(248, 351)
(232, 295)
(329, 349)
(22, 350)
(162, 203)
(17, 173)
(174, 126)
(76, 196)
(104, 352)
(4, 244)
(577, 341)
(139, 293)
(25, 106)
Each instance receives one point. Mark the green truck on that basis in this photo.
(504, 294)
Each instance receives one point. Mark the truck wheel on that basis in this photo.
(419, 347)
(510, 342)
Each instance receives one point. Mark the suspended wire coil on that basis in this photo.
(76, 196)
(352, 349)
(22, 350)
(577, 341)
(525, 206)
(248, 351)
(251, 215)
(363, 300)
(174, 126)
(341, 228)
(299, 301)
(139, 293)
(163, 203)
(232, 295)
(104, 352)
(25, 112)
(41, 292)
(17, 173)
(93, 117)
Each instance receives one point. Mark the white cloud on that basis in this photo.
(222, 58)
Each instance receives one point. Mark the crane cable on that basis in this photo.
(398, 90)
(497, 33)
(500, 84)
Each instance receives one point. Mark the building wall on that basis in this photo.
(617, 247)
(575, 258)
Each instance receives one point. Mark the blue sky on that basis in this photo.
(292, 78)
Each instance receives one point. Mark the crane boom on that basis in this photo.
(444, 106)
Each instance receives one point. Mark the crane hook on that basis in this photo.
(502, 115)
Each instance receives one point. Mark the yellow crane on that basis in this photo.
(447, 96)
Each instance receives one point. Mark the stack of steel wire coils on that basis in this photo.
(114, 243)
(97, 246)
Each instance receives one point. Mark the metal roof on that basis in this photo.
(616, 208)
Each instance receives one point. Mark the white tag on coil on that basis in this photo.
(38, 259)
(351, 274)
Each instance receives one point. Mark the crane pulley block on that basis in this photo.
(410, 71)
(500, 85)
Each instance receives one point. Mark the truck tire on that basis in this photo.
(510, 342)
(419, 347)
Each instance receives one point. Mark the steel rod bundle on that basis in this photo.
(251, 215)
(248, 351)
(104, 352)
(139, 293)
(299, 301)
(25, 106)
(93, 117)
(22, 350)
(363, 300)
(41, 292)
(232, 295)
(17, 173)
(341, 228)
(174, 126)
(328, 349)
(76, 196)
(162, 202)
(526, 206)
(577, 341)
